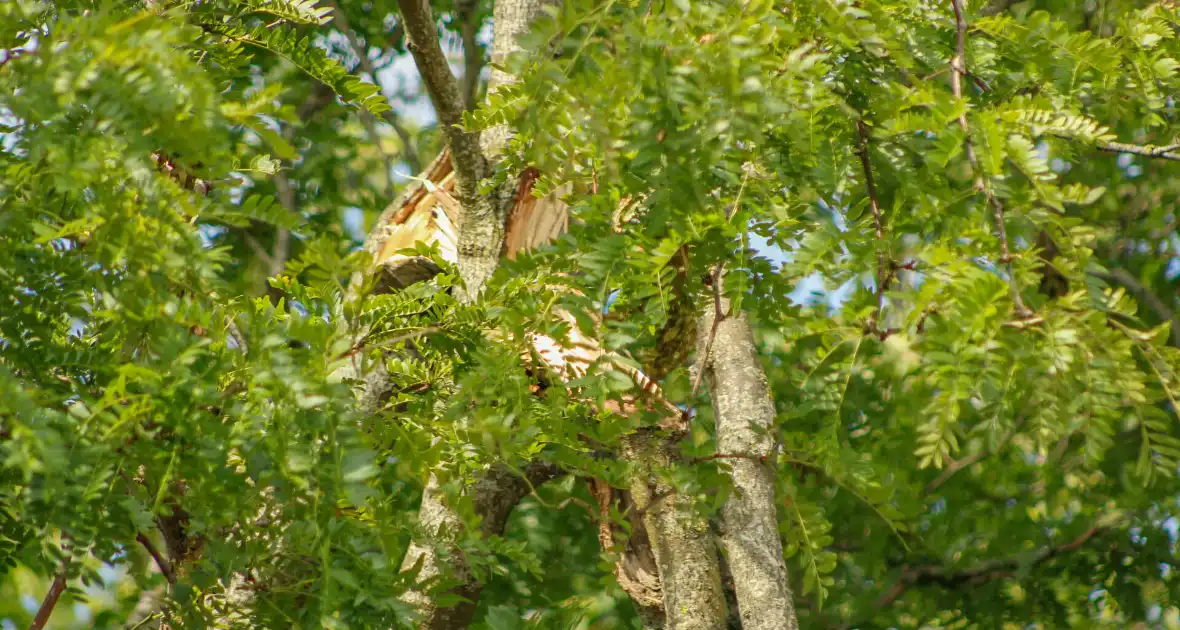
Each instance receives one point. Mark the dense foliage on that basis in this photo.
(977, 404)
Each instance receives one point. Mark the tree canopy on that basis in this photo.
(814, 314)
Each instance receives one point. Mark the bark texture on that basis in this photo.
(690, 576)
(480, 243)
(745, 417)
(481, 233)
(511, 20)
(635, 565)
(494, 495)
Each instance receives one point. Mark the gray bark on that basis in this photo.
(481, 234)
(480, 242)
(511, 20)
(745, 417)
(495, 495)
(690, 575)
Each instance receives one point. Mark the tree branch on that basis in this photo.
(481, 230)
(466, 156)
(370, 125)
(466, 14)
(257, 248)
(685, 554)
(946, 577)
(970, 460)
(716, 278)
(745, 418)
(883, 258)
(409, 150)
(161, 561)
(55, 590)
(959, 70)
(493, 496)
(1166, 152)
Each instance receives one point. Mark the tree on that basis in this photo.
(696, 315)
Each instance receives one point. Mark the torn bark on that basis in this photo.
(745, 417)
(635, 564)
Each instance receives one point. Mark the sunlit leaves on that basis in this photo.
(927, 425)
(300, 51)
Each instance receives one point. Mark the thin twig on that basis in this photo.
(968, 461)
(959, 70)
(55, 590)
(161, 561)
(10, 54)
(369, 122)
(979, 574)
(257, 248)
(388, 343)
(716, 280)
(883, 257)
(277, 260)
(1166, 152)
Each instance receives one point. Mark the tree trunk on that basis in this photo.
(480, 243)
(690, 575)
(635, 568)
(745, 417)
(495, 495)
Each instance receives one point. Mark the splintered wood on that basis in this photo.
(429, 213)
